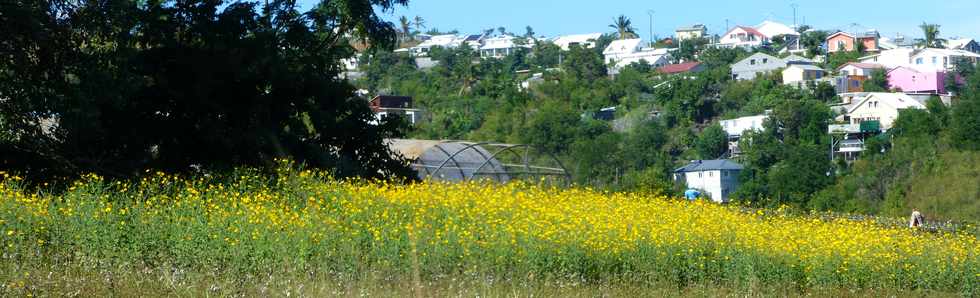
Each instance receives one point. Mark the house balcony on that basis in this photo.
(850, 146)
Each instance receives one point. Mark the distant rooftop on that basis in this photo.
(709, 165)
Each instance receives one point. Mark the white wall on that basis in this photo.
(738, 126)
(875, 109)
(716, 184)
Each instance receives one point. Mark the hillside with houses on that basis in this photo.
(821, 118)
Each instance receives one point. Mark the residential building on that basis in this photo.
(847, 140)
(444, 41)
(621, 53)
(447, 41)
(744, 37)
(384, 105)
(851, 76)
(965, 44)
(759, 63)
(882, 107)
(693, 32)
(858, 69)
(716, 178)
(686, 67)
(928, 59)
(799, 74)
(502, 46)
(843, 41)
(587, 41)
(941, 59)
(910, 80)
(772, 29)
(735, 128)
(762, 34)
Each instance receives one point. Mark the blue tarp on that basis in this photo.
(692, 194)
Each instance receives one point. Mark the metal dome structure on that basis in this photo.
(460, 161)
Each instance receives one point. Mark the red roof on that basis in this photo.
(750, 30)
(679, 68)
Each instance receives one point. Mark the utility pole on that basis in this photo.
(794, 6)
(650, 12)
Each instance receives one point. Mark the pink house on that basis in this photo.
(913, 81)
(846, 41)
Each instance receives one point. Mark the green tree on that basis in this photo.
(878, 81)
(583, 64)
(965, 119)
(170, 84)
(552, 127)
(419, 23)
(624, 27)
(812, 40)
(930, 33)
(804, 171)
(406, 27)
(713, 142)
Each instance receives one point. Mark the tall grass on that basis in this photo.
(307, 224)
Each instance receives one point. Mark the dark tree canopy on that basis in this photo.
(113, 87)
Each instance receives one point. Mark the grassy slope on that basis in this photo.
(950, 190)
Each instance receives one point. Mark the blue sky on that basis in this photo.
(958, 18)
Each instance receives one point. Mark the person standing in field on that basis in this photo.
(916, 220)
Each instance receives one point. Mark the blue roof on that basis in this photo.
(709, 165)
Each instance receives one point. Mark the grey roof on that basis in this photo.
(807, 66)
(709, 165)
(795, 58)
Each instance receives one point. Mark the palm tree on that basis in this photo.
(419, 23)
(406, 26)
(931, 32)
(624, 27)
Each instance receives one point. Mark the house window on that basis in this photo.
(855, 84)
(711, 174)
(843, 72)
(724, 173)
(841, 45)
(752, 62)
(765, 60)
(918, 60)
(934, 60)
(699, 174)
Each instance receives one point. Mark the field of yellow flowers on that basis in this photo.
(250, 223)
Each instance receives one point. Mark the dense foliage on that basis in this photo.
(661, 121)
(114, 87)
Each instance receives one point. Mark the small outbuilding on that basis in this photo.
(716, 178)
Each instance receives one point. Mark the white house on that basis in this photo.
(882, 107)
(735, 128)
(750, 37)
(925, 60)
(941, 59)
(621, 53)
(760, 63)
(587, 41)
(772, 29)
(858, 69)
(738, 126)
(716, 178)
(966, 44)
(743, 36)
(501, 46)
(798, 74)
(692, 32)
(445, 41)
